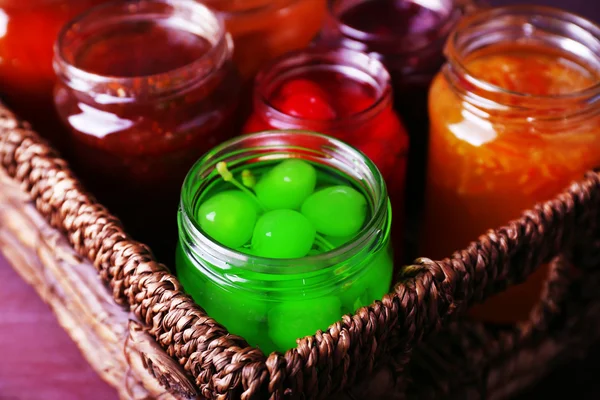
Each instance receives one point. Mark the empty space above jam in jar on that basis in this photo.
(122, 50)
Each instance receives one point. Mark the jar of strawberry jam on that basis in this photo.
(28, 31)
(342, 93)
(265, 29)
(282, 233)
(514, 119)
(146, 87)
(408, 36)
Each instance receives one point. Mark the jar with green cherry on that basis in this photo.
(281, 233)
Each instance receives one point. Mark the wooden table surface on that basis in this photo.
(38, 361)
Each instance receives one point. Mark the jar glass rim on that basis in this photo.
(529, 16)
(380, 214)
(264, 6)
(353, 59)
(180, 8)
(413, 42)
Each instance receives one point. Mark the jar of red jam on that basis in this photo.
(282, 233)
(342, 93)
(265, 29)
(408, 36)
(28, 31)
(146, 87)
(515, 118)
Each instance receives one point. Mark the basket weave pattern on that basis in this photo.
(428, 297)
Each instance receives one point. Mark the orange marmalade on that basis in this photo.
(513, 122)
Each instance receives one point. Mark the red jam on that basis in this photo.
(344, 94)
(144, 98)
(28, 31)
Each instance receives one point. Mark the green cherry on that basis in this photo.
(371, 284)
(336, 211)
(246, 250)
(241, 313)
(191, 278)
(286, 185)
(338, 241)
(228, 217)
(296, 319)
(282, 234)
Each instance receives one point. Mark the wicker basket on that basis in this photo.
(149, 340)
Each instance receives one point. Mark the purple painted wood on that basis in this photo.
(38, 360)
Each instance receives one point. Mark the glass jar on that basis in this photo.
(28, 31)
(408, 36)
(265, 29)
(139, 120)
(342, 93)
(514, 119)
(272, 302)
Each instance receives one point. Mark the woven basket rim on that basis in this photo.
(429, 294)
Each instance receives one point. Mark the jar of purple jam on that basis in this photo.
(408, 36)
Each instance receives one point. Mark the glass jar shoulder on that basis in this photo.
(263, 35)
(506, 152)
(159, 123)
(270, 15)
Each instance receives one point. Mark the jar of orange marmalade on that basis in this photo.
(265, 29)
(514, 119)
(28, 30)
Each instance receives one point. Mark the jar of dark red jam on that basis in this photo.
(408, 36)
(342, 93)
(28, 31)
(262, 285)
(146, 87)
(515, 118)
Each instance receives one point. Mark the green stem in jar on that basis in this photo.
(248, 179)
(228, 177)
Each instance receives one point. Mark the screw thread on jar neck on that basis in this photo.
(353, 64)
(278, 145)
(186, 15)
(542, 27)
